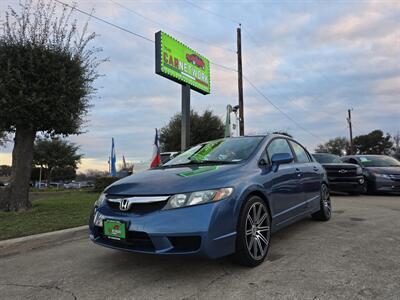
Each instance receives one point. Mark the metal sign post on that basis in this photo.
(185, 122)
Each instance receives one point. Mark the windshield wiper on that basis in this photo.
(221, 161)
(200, 162)
(181, 164)
(207, 161)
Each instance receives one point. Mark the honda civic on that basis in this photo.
(218, 198)
(381, 172)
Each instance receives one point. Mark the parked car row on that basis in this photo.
(62, 185)
(357, 174)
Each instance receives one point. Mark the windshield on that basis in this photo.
(378, 161)
(327, 158)
(231, 150)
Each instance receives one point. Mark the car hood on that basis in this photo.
(168, 181)
(384, 170)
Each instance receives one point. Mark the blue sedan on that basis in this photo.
(218, 198)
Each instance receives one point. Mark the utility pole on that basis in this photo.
(351, 131)
(240, 80)
(185, 123)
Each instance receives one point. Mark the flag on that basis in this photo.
(123, 162)
(113, 170)
(156, 159)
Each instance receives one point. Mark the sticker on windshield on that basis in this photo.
(203, 152)
(198, 171)
(364, 159)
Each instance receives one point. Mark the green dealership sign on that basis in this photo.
(181, 64)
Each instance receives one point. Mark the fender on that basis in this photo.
(245, 194)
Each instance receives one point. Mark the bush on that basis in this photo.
(101, 183)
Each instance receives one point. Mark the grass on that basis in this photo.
(53, 213)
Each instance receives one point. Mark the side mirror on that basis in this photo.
(279, 159)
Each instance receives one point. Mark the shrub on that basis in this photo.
(101, 183)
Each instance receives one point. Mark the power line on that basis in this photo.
(213, 13)
(211, 62)
(105, 21)
(251, 37)
(170, 28)
(280, 110)
(131, 32)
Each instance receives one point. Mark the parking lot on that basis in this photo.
(354, 256)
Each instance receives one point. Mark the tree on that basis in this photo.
(3, 138)
(47, 72)
(56, 156)
(396, 148)
(203, 128)
(338, 146)
(374, 142)
(5, 170)
(92, 174)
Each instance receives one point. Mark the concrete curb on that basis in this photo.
(27, 243)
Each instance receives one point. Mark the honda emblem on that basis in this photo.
(124, 204)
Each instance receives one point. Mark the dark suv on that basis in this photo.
(342, 177)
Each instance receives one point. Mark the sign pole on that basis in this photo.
(185, 123)
(240, 80)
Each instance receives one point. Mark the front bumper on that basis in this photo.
(346, 184)
(387, 185)
(206, 230)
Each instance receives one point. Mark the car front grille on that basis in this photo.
(137, 239)
(139, 205)
(395, 177)
(337, 172)
(140, 208)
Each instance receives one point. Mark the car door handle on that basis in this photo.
(315, 169)
(298, 171)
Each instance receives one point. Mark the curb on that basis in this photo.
(31, 242)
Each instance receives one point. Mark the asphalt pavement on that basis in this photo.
(356, 255)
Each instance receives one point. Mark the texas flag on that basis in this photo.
(156, 159)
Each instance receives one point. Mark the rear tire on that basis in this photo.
(325, 212)
(253, 233)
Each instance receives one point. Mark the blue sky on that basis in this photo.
(314, 59)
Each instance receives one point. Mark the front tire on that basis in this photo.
(253, 233)
(325, 212)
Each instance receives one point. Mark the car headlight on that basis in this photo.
(386, 176)
(200, 197)
(359, 170)
(98, 219)
(100, 200)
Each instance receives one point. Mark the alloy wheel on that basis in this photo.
(326, 200)
(257, 231)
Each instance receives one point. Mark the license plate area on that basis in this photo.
(115, 230)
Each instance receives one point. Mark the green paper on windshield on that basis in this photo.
(198, 171)
(364, 159)
(203, 152)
